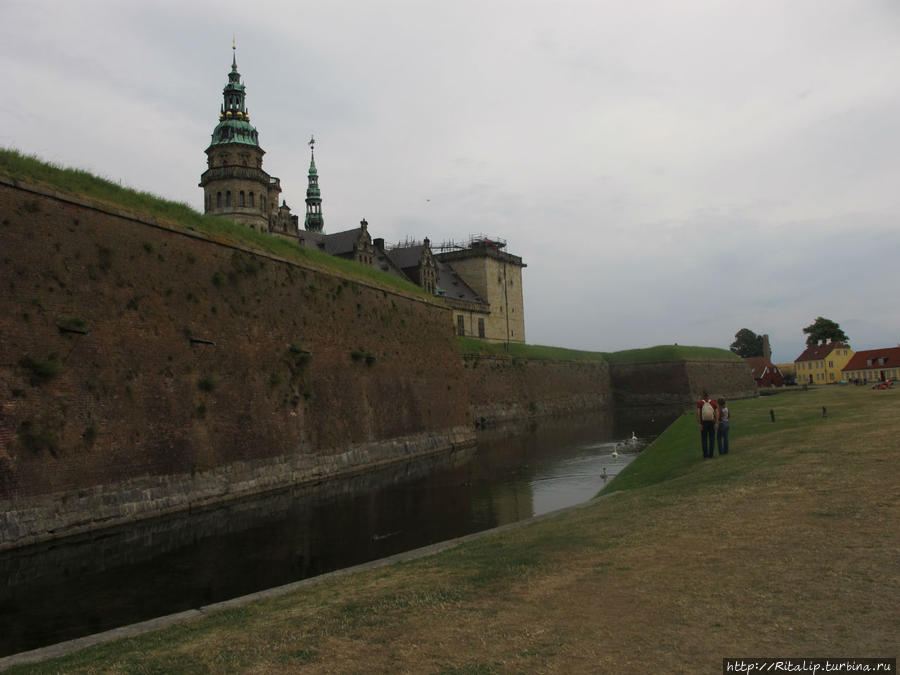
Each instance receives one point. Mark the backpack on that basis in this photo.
(707, 412)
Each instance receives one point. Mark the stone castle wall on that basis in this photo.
(676, 384)
(503, 390)
(145, 370)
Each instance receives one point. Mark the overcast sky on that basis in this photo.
(669, 171)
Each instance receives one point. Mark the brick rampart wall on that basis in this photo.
(115, 405)
(674, 384)
(503, 390)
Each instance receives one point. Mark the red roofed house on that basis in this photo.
(874, 365)
(822, 363)
(766, 373)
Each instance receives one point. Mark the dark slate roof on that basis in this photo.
(451, 285)
(314, 240)
(820, 351)
(859, 361)
(385, 264)
(407, 256)
(342, 242)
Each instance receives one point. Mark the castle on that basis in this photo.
(479, 282)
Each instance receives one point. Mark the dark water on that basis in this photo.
(87, 584)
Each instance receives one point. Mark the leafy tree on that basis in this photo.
(824, 329)
(747, 343)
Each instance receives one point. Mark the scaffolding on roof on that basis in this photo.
(474, 241)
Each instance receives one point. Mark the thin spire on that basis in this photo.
(234, 53)
(314, 222)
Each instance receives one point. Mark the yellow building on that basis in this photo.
(822, 363)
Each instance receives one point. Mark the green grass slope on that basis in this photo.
(78, 183)
(475, 347)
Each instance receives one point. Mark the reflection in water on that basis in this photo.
(81, 585)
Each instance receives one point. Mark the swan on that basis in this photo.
(634, 438)
(615, 452)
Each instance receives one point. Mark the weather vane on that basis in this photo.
(312, 143)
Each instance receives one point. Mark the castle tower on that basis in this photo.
(234, 184)
(496, 276)
(315, 221)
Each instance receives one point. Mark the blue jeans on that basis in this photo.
(722, 437)
(708, 438)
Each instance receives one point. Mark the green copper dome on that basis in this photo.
(234, 121)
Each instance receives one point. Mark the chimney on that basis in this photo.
(767, 350)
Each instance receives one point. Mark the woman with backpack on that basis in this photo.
(707, 417)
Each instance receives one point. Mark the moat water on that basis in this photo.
(92, 583)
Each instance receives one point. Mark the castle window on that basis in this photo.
(242, 198)
(460, 325)
(219, 200)
(252, 204)
(481, 328)
(228, 198)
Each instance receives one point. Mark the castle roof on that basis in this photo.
(344, 242)
(451, 285)
(406, 256)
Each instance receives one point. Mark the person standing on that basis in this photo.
(724, 426)
(707, 417)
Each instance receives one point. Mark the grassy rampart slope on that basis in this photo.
(476, 347)
(82, 184)
(787, 546)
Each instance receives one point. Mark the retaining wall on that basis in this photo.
(503, 390)
(677, 384)
(146, 369)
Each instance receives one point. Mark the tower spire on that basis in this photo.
(315, 222)
(234, 183)
(234, 118)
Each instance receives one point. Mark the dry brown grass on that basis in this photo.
(786, 547)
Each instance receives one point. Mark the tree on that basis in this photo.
(824, 329)
(747, 343)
